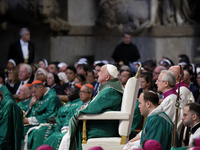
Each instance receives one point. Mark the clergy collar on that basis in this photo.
(195, 127)
(86, 103)
(169, 92)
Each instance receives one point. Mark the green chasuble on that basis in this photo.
(24, 105)
(11, 122)
(109, 98)
(158, 126)
(137, 123)
(44, 108)
(179, 148)
(51, 134)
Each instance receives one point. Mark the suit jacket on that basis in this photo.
(195, 91)
(64, 87)
(14, 88)
(15, 52)
(19, 83)
(126, 52)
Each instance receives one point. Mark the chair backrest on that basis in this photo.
(128, 103)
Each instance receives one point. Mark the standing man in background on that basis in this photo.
(22, 50)
(126, 51)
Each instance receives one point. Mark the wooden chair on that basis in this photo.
(125, 117)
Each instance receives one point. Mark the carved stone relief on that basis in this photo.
(136, 15)
(33, 12)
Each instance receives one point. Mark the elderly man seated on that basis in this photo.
(109, 98)
(25, 97)
(43, 105)
(52, 133)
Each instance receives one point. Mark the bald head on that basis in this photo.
(176, 71)
(157, 71)
(24, 92)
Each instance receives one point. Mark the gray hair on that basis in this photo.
(89, 90)
(22, 31)
(170, 77)
(28, 67)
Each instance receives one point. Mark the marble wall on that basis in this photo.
(100, 43)
(85, 39)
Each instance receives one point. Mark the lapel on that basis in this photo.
(29, 48)
(20, 50)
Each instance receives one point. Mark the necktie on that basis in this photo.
(96, 88)
(70, 85)
(22, 83)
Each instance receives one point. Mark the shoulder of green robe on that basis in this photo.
(52, 94)
(160, 116)
(75, 101)
(166, 117)
(114, 84)
(5, 92)
(9, 104)
(52, 91)
(24, 102)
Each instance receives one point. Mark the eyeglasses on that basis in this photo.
(160, 81)
(33, 92)
(83, 92)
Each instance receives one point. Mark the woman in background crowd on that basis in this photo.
(80, 79)
(43, 63)
(41, 74)
(63, 78)
(146, 82)
(53, 82)
(12, 80)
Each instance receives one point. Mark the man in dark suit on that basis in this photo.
(71, 74)
(25, 76)
(22, 50)
(126, 51)
(188, 74)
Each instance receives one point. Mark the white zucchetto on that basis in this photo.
(112, 70)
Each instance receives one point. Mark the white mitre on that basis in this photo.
(112, 70)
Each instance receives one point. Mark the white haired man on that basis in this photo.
(166, 83)
(22, 50)
(25, 72)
